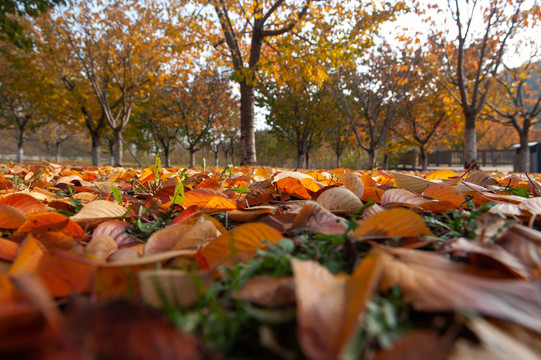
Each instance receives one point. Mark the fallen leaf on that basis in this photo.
(329, 307)
(444, 192)
(101, 246)
(293, 187)
(339, 200)
(392, 223)
(427, 281)
(240, 242)
(317, 219)
(269, 291)
(98, 211)
(24, 202)
(29, 256)
(11, 217)
(117, 230)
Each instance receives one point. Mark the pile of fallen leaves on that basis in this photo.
(246, 262)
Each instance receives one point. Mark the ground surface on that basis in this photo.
(256, 262)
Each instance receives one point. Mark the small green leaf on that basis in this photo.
(157, 167)
(178, 195)
(116, 194)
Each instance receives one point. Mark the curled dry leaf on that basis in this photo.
(525, 244)
(329, 307)
(441, 174)
(293, 187)
(269, 291)
(211, 201)
(531, 206)
(339, 200)
(487, 255)
(402, 197)
(392, 223)
(98, 211)
(318, 219)
(427, 280)
(29, 256)
(410, 182)
(171, 287)
(202, 232)
(164, 239)
(117, 230)
(101, 246)
(353, 183)
(481, 178)
(123, 255)
(291, 174)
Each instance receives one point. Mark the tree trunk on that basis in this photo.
(371, 159)
(167, 156)
(20, 144)
(96, 149)
(247, 132)
(192, 157)
(111, 144)
(117, 148)
(307, 160)
(423, 158)
(216, 158)
(470, 141)
(57, 152)
(300, 158)
(524, 153)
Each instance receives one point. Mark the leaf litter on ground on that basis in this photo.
(245, 262)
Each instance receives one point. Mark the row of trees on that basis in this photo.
(160, 72)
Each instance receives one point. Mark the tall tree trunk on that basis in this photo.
(167, 155)
(96, 148)
(192, 157)
(57, 152)
(300, 158)
(470, 141)
(117, 149)
(338, 158)
(20, 143)
(371, 158)
(307, 160)
(524, 152)
(247, 130)
(423, 157)
(216, 158)
(111, 144)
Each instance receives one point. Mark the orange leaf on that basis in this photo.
(5, 184)
(242, 242)
(11, 217)
(212, 184)
(24, 202)
(48, 222)
(8, 249)
(444, 192)
(440, 174)
(293, 187)
(64, 273)
(372, 192)
(329, 307)
(210, 200)
(29, 256)
(393, 223)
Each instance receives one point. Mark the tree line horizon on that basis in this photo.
(159, 74)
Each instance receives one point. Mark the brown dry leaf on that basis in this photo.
(432, 283)
(269, 291)
(418, 344)
(481, 178)
(292, 174)
(494, 344)
(531, 206)
(240, 242)
(353, 183)
(171, 287)
(117, 230)
(487, 255)
(329, 307)
(98, 211)
(525, 244)
(392, 223)
(211, 201)
(202, 232)
(505, 209)
(339, 200)
(410, 182)
(447, 193)
(251, 214)
(123, 255)
(318, 219)
(401, 197)
(164, 239)
(489, 225)
(101, 246)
